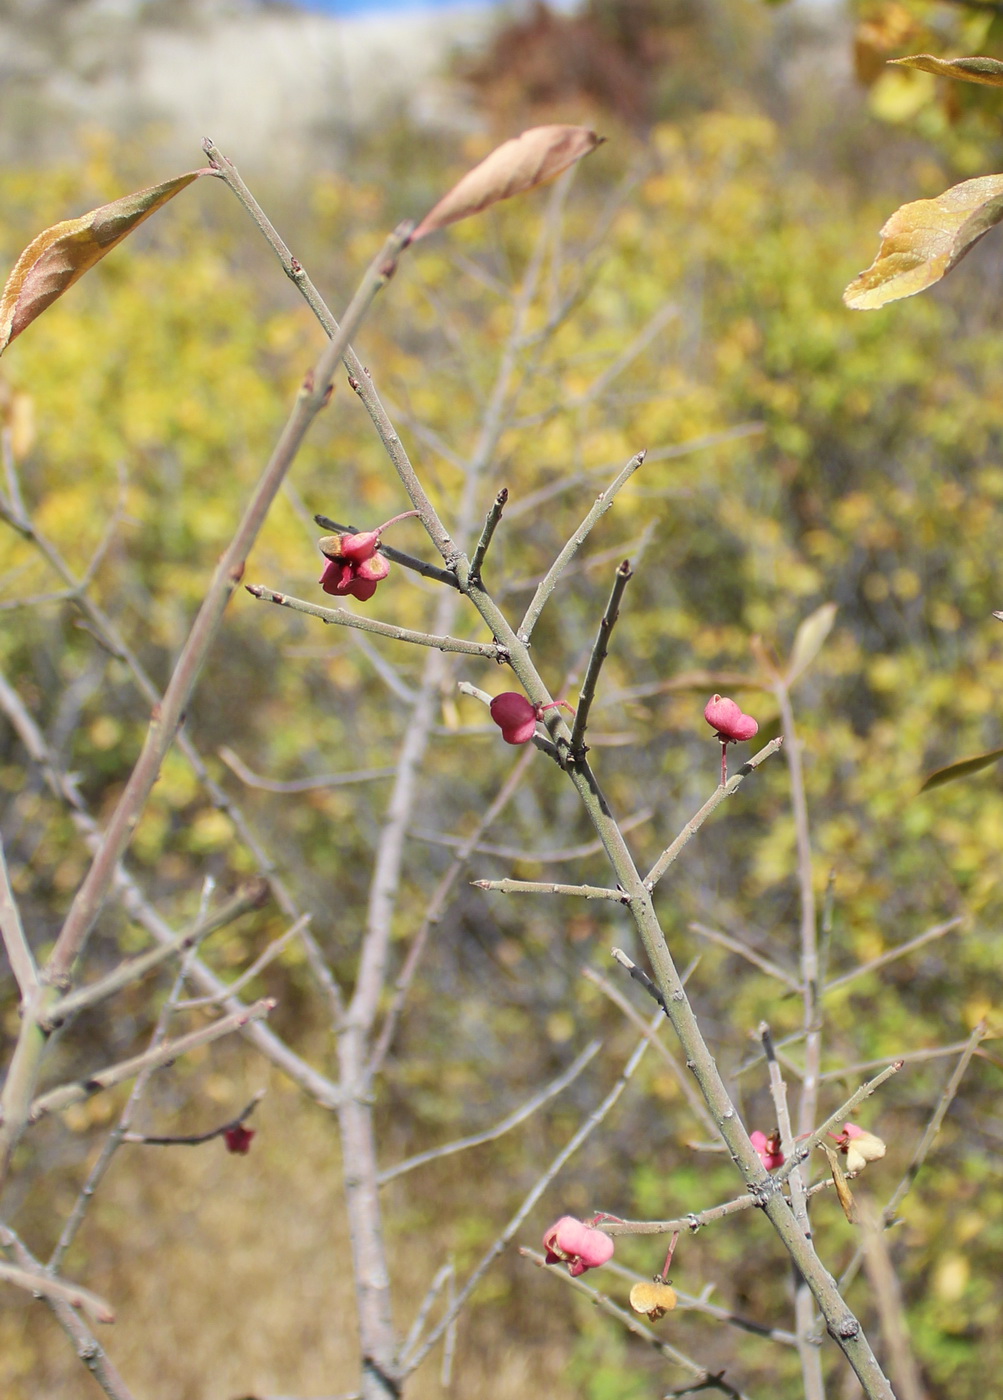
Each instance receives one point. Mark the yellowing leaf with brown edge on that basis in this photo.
(63, 253)
(921, 242)
(988, 71)
(518, 165)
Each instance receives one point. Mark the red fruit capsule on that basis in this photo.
(515, 716)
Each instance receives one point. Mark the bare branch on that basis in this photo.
(19, 955)
(344, 618)
(506, 1125)
(55, 1100)
(671, 853)
(550, 580)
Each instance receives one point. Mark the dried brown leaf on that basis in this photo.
(518, 165)
(922, 241)
(988, 71)
(63, 253)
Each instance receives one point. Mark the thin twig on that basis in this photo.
(252, 896)
(274, 950)
(323, 780)
(926, 1142)
(65, 790)
(600, 651)
(343, 618)
(436, 908)
(55, 1100)
(734, 945)
(900, 951)
(490, 525)
(196, 1139)
(506, 1125)
(19, 955)
(114, 1139)
(47, 1287)
(803, 1149)
(680, 1075)
(550, 580)
(671, 853)
(548, 887)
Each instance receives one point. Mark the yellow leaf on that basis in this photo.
(988, 71)
(921, 242)
(63, 253)
(518, 165)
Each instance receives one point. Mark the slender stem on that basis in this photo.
(733, 945)
(436, 908)
(368, 624)
(899, 951)
(600, 650)
(925, 1144)
(690, 1091)
(526, 1110)
(132, 969)
(550, 580)
(548, 887)
(114, 1139)
(358, 375)
(108, 636)
(87, 1346)
(66, 1094)
(311, 399)
(671, 853)
(19, 954)
(804, 1310)
(196, 1139)
(490, 525)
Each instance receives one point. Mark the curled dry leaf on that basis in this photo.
(988, 71)
(842, 1187)
(518, 165)
(652, 1300)
(63, 253)
(921, 242)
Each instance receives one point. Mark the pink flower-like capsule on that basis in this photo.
(346, 577)
(515, 716)
(768, 1149)
(732, 725)
(354, 568)
(577, 1245)
(859, 1146)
